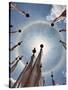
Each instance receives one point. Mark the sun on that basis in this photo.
(36, 42)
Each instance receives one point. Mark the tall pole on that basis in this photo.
(53, 82)
(63, 43)
(18, 44)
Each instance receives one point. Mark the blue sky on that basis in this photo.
(36, 29)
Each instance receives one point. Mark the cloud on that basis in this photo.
(55, 12)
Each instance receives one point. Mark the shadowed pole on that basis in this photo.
(53, 82)
(63, 43)
(35, 75)
(18, 44)
(62, 30)
(16, 31)
(62, 15)
(25, 72)
(43, 82)
(17, 83)
(26, 75)
(14, 60)
(16, 63)
(14, 6)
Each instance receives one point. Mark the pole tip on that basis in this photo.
(19, 43)
(27, 15)
(19, 30)
(26, 62)
(40, 65)
(51, 74)
(60, 41)
(41, 45)
(52, 24)
(34, 50)
(20, 58)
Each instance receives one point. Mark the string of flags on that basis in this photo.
(14, 63)
(22, 12)
(60, 17)
(14, 60)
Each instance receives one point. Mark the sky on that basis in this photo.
(36, 30)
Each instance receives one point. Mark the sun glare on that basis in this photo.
(36, 44)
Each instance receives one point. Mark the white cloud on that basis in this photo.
(55, 12)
